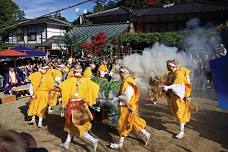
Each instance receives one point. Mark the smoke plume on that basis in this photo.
(198, 47)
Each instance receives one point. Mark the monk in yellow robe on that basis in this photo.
(56, 74)
(75, 90)
(88, 71)
(102, 69)
(42, 83)
(70, 73)
(187, 82)
(64, 69)
(129, 107)
(176, 96)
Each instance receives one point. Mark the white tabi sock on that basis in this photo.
(40, 121)
(33, 118)
(121, 141)
(90, 138)
(68, 139)
(182, 127)
(119, 145)
(146, 136)
(181, 134)
(65, 145)
(145, 133)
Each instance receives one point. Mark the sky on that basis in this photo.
(36, 8)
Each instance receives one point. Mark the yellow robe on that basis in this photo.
(102, 67)
(179, 106)
(54, 94)
(88, 73)
(129, 121)
(42, 85)
(70, 73)
(88, 91)
(188, 85)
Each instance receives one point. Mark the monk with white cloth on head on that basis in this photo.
(176, 93)
(78, 93)
(88, 71)
(129, 119)
(41, 85)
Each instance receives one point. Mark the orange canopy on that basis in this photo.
(8, 53)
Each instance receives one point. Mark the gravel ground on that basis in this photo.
(207, 131)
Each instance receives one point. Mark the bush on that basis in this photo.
(168, 38)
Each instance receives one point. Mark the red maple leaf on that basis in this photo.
(96, 43)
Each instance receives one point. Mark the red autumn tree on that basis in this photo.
(95, 46)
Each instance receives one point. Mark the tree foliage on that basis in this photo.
(73, 44)
(10, 13)
(96, 44)
(168, 38)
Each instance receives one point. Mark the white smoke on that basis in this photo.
(193, 23)
(198, 47)
(153, 60)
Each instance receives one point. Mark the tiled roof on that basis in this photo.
(49, 20)
(194, 7)
(85, 32)
(54, 39)
(114, 11)
(191, 7)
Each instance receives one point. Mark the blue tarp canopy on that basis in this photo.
(29, 51)
(220, 77)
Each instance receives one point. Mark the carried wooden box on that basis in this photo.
(7, 99)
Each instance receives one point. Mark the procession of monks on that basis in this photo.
(78, 94)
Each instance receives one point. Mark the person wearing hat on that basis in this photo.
(102, 70)
(41, 84)
(129, 119)
(176, 96)
(78, 92)
(88, 71)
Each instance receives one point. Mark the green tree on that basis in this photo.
(10, 14)
(73, 44)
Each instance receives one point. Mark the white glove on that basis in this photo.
(166, 88)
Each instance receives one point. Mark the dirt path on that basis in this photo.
(207, 131)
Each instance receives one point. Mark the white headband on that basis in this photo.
(172, 65)
(45, 67)
(92, 65)
(78, 70)
(61, 65)
(123, 70)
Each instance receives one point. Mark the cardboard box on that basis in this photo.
(7, 99)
